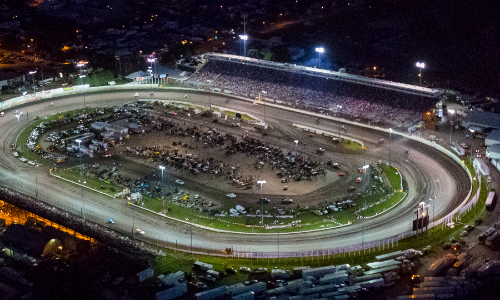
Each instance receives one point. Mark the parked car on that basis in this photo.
(178, 181)
(231, 195)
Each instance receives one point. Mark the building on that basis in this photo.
(481, 119)
(493, 152)
(10, 79)
(493, 138)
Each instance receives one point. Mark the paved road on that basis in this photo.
(428, 173)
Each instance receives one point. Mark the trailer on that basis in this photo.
(318, 272)
(175, 290)
(383, 264)
(173, 277)
(260, 125)
(473, 267)
(366, 278)
(493, 239)
(491, 201)
(297, 271)
(462, 263)
(389, 256)
(383, 270)
(202, 266)
(490, 268)
(457, 148)
(372, 284)
(341, 278)
(240, 288)
(440, 264)
(217, 293)
(245, 296)
(434, 290)
(483, 236)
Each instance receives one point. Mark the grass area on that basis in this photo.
(21, 147)
(73, 174)
(351, 145)
(376, 199)
(308, 220)
(233, 115)
(393, 176)
(181, 261)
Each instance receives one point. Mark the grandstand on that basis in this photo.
(328, 91)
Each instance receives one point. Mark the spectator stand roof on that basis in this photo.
(384, 84)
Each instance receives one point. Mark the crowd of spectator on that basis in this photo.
(330, 96)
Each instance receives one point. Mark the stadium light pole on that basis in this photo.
(244, 37)
(319, 50)
(151, 60)
(420, 66)
(261, 182)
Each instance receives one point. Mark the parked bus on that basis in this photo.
(491, 200)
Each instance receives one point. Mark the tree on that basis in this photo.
(280, 53)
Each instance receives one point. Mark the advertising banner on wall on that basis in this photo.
(57, 91)
(6, 104)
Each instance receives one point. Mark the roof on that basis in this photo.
(483, 119)
(494, 135)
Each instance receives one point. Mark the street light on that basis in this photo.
(365, 167)
(210, 93)
(420, 66)
(261, 182)
(82, 64)
(265, 117)
(320, 50)
(452, 112)
(81, 179)
(33, 73)
(430, 199)
(390, 140)
(162, 168)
